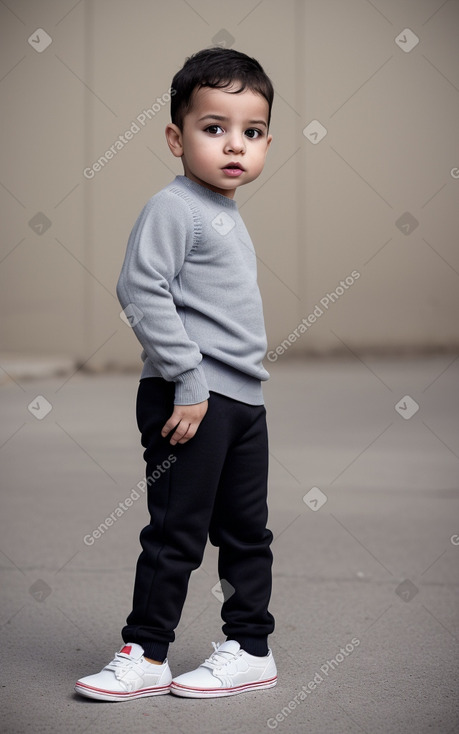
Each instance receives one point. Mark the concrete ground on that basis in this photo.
(364, 508)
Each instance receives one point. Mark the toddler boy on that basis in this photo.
(189, 283)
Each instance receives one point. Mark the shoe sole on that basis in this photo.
(188, 692)
(99, 694)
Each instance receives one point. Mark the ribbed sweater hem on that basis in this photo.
(215, 376)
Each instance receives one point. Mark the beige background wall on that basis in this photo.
(322, 208)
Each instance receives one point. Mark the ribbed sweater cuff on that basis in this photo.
(191, 387)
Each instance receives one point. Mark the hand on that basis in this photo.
(185, 419)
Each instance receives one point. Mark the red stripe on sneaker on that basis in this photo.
(242, 686)
(124, 694)
(126, 649)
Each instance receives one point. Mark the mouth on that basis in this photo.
(233, 169)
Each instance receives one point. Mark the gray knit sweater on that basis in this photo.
(188, 286)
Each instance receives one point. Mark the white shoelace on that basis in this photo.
(120, 665)
(218, 657)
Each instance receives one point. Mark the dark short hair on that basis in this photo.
(217, 68)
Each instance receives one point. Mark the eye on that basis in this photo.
(252, 133)
(214, 129)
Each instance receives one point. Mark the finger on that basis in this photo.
(181, 434)
(170, 425)
(190, 433)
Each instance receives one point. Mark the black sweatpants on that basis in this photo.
(216, 487)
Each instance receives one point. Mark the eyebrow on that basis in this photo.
(222, 118)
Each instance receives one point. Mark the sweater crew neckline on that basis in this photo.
(204, 192)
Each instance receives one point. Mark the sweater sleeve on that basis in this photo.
(159, 242)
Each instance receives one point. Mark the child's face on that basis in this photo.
(224, 140)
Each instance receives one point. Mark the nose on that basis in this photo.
(235, 143)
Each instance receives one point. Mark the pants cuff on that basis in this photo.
(155, 650)
(257, 646)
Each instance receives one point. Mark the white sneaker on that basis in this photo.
(228, 671)
(128, 676)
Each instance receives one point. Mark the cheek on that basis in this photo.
(260, 158)
(201, 151)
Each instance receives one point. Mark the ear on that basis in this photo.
(268, 141)
(174, 139)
